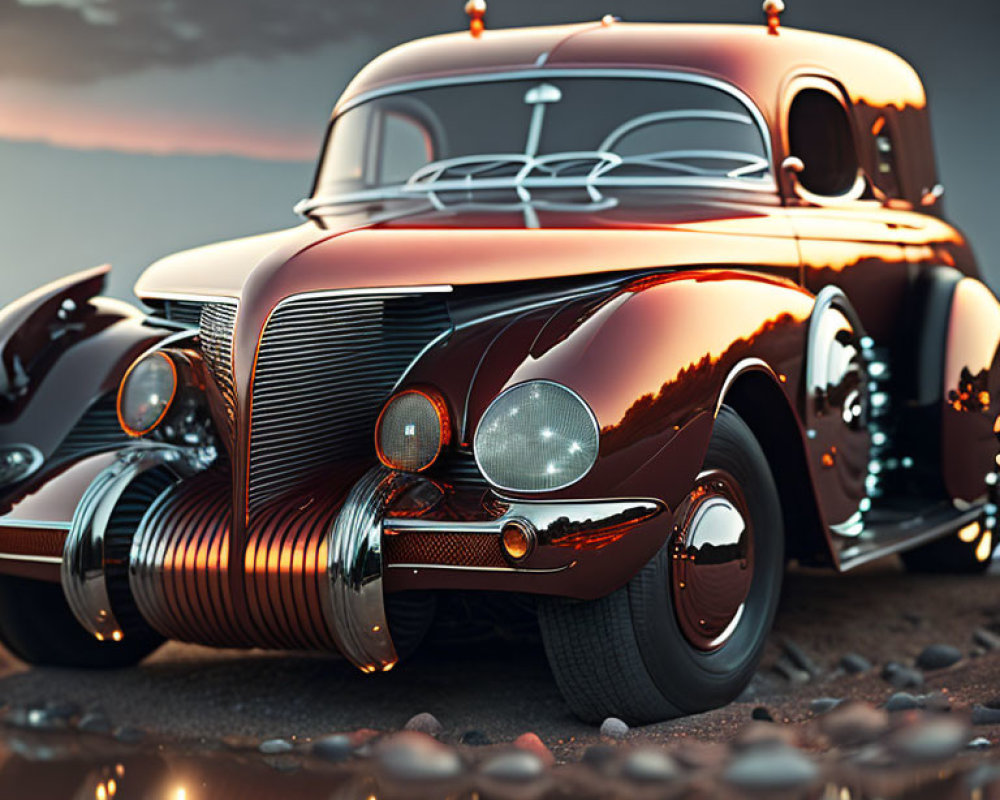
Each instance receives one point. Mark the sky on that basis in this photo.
(130, 129)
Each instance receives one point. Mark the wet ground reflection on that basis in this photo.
(81, 767)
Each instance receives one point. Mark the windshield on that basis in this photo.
(521, 136)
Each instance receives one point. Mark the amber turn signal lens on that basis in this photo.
(518, 541)
(146, 393)
(412, 430)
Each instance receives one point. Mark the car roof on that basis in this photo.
(746, 56)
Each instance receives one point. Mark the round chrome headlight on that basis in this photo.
(146, 392)
(536, 437)
(412, 430)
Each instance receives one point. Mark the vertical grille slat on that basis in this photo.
(217, 323)
(325, 367)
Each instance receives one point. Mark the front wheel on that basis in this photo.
(37, 626)
(686, 633)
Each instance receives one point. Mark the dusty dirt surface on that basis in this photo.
(203, 708)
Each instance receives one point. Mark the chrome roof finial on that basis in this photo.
(773, 9)
(476, 9)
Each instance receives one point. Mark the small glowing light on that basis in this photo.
(865, 505)
(180, 793)
(376, 628)
(608, 20)
(985, 549)
(117, 636)
(783, 378)
(879, 439)
(575, 447)
(388, 667)
(101, 793)
(875, 467)
(907, 462)
(99, 637)
(991, 479)
(112, 787)
(410, 430)
(879, 399)
(970, 532)
(120, 770)
(551, 469)
(867, 343)
(547, 433)
(876, 369)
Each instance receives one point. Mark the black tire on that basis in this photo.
(625, 655)
(949, 555)
(37, 626)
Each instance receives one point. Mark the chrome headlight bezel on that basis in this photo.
(505, 397)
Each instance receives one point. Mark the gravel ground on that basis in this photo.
(197, 702)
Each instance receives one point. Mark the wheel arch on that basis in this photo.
(755, 395)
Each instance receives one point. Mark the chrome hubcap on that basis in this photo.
(711, 561)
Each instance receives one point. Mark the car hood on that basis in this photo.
(440, 248)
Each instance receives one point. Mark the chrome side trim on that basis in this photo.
(547, 519)
(33, 524)
(501, 570)
(196, 298)
(745, 365)
(83, 559)
(353, 606)
(31, 559)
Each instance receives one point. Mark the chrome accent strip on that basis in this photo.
(745, 365)
(83, 559)
(503, 570)
(354, 607)
(38, 525)
(377, 291)
(195, 298)
(542, 516)
(31, 559)
(593, 420)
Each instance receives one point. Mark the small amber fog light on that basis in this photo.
(412, 430)
(518, 540)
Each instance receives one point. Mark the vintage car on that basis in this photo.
(621, 317)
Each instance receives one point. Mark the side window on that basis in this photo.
(406, 147)
(819, 132)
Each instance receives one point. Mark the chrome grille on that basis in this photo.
(218, 321)
(325, 367)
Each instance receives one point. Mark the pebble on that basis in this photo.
(424, 723)
(854, 723)
(986, 639)
(984, 715)
(336, 747)
(94, 722)
(43, 719)
(787, 670)
(518, 766)
(800, 658)
(821, 705)
(129, 735)
(771, 769)
(937, 702)
(855, 664)
(275, 747)
(650, 765)
(935, 739)
(475, 738)
(530, 742)
(412, 756)
(938, 656)
(694, 754)
(980, 743)
(599, 755)
(765, 734)
(614, 728)
(902, 701)
(902, 677)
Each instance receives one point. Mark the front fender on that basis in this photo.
(652, 361)
(61, 349)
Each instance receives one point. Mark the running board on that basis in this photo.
(880, 539)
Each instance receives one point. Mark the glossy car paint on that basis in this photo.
(652, 315)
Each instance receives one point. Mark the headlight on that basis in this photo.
(412, 430)
(146, 392)
(536, 437)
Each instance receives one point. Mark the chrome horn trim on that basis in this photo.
(83, 559)
(353, 606)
